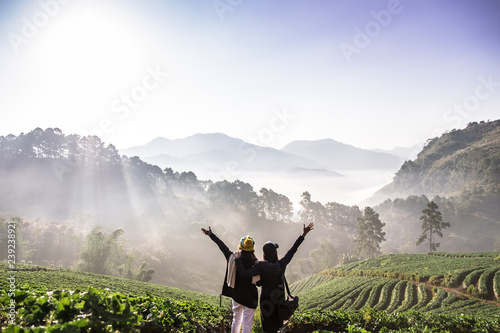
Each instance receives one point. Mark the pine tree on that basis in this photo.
(432, 223)
(370, 234)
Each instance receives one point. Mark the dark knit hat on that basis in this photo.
(270, 247)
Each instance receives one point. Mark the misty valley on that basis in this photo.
(80, 206)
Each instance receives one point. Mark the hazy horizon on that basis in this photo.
(261, 144)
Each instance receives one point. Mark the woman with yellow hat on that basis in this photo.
(242, 289)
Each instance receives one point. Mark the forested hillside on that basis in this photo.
(67, 194)
(461, 163)
(461, 172)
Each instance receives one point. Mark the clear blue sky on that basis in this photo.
(374, 74)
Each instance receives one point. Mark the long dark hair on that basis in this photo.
(249, 258)
(270, 256)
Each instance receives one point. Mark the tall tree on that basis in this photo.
(102, 252)
(237, 195)
(311, 211)
(432, 223)
(188, 181)
(342, 218)
(370, 234)
(275, 206)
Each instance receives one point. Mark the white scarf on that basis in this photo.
(231, 272)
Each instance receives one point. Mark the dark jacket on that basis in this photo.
(244, 291)
(270, 273)
(273, 291)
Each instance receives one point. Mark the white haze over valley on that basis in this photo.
(218, 157)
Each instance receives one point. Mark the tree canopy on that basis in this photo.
(370, 234)
(432, 223)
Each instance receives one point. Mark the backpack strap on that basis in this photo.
(285, 283)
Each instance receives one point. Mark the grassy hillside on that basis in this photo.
(451, 284)
(392, 293)
(66, 279)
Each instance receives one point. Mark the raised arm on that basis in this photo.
(306, 230)
(290, 253)
(225, 250)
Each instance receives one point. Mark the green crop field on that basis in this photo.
(426, 265)
(61, 300)
(66, 279)
(452, 285)
(392, 293)
(444, 283)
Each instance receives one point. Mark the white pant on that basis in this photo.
(242, 316)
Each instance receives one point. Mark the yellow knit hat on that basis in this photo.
(246, 243)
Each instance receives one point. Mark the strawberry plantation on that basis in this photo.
(392, 293)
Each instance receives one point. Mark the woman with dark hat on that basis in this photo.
(270, 270)
(242, 289)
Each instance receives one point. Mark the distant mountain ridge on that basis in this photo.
(194, 144)
(404, 152)
(336, 155)
(205, 154)
(213, 150)
(329, 169)
(459, 163)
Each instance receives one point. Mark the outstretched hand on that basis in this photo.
(207, 232)
(306, 230)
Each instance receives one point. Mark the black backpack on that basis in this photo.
(291, 303)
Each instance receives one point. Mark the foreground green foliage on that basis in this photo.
(100, 310)
(370, 320)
